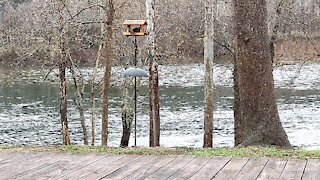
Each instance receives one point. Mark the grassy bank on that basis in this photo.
(252, 152)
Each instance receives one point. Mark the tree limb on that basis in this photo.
(121, 6)
(50, 70)
(90, 7)
(225, 46)
(93, 22)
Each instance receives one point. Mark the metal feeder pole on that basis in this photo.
(135, 92)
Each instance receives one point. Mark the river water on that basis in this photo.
(29, 108)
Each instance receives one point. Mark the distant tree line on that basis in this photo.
(26, 34)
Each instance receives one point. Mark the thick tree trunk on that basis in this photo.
(208, 63)
(153, 77)
(256, 119)
(62, 76)
(108, 56)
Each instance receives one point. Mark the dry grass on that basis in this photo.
(251, 152)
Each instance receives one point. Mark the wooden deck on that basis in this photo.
(65, 166)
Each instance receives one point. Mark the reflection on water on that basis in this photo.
(29, 115)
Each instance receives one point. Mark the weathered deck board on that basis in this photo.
(190, 169)
(128, 169)
(252, 169)
(60, 165)
(43, 167)
(272, 170)
(169, 169)
(25, 164)
(231, 170)
(210, 169)
(293, 170)
(71, 165)
(312, 170)
(112, 167)
(66, 166)
(15, 160)
(150, 168)
(92, 168)
(8, 158)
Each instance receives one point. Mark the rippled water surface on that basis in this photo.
(29, 112)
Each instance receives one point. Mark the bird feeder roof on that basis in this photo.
(135, 72)
(135, 22)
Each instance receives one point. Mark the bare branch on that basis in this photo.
(66, 7)
(84, 9)
(225, 46)
(121, 6)
(50, 70)
(93, 22)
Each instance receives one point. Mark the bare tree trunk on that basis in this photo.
(108, 50)
(257, 121)
(126, 116)
(105, 104)
(154, 105)
(208, 63)
(79, 101)
(153, 77)
(93, 94)
(93, 83)
(62, 76)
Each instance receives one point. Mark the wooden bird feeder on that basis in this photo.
(135, 27)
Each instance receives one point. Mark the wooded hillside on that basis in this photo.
(28, 30)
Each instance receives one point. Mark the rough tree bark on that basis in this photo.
(127, 114)
(256, 115)
(126, 128)
(62, 75)
(153, 77)
(108, 56)
(208, 63)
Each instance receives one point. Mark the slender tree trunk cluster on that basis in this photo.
(256, 115)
